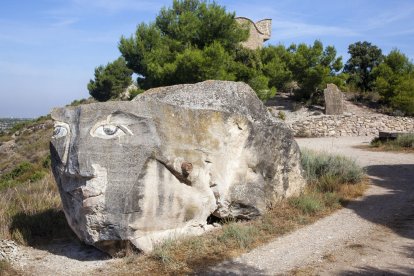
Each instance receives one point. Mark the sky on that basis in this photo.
(50, 48)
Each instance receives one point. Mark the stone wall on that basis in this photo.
(351, 125)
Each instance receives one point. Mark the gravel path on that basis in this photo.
(373, 235)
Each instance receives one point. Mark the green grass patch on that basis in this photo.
(24, 172)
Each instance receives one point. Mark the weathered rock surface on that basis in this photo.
(259, 32)
(157, 167)
(8, 250)
(334, 103)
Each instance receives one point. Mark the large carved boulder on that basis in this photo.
(157, 167)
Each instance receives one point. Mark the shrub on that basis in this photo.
(327, 170)
(23, 172)
(110, 80)
(405, 141)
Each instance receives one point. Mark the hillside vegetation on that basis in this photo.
(30, 208)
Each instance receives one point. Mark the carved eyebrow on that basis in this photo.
(125, 118)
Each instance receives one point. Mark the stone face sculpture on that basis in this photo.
(157, 167)
(259, 32)
(334, 104)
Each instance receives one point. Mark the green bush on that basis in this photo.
(402, 141)
(326, 169)
(405, 141)
(19, 170)
(110, 80)
(24, 171)
(134, 92)
(260, 84)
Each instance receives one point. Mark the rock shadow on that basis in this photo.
(394, 207)
(368, 270)
(49, 231)
(232, 268)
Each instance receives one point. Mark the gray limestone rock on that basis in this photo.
(334, 104)
(157, 167)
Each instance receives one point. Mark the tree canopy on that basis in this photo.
(364, 58)
(394, 80)
(189, 42)
(196, 40)
(110, 80)
(310, 66)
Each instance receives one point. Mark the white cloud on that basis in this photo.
(64, 22)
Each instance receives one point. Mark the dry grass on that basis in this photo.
(30, 210)
(31, 213)
(31, 145)
(7, 270)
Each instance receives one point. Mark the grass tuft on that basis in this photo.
(241, 235)
(307, 203)
(403, 142)
(328, 171)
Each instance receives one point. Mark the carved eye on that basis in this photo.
(109, 131)
(60, 130)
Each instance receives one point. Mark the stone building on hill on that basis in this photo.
(259, 32)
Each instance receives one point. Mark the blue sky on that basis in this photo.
(49, 48)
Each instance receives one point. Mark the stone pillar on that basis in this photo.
(334, 104)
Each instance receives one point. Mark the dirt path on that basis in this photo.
(373, 235)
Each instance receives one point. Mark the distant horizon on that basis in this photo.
(49, 49)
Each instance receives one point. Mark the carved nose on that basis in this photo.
(72, 163)
(75, 164)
